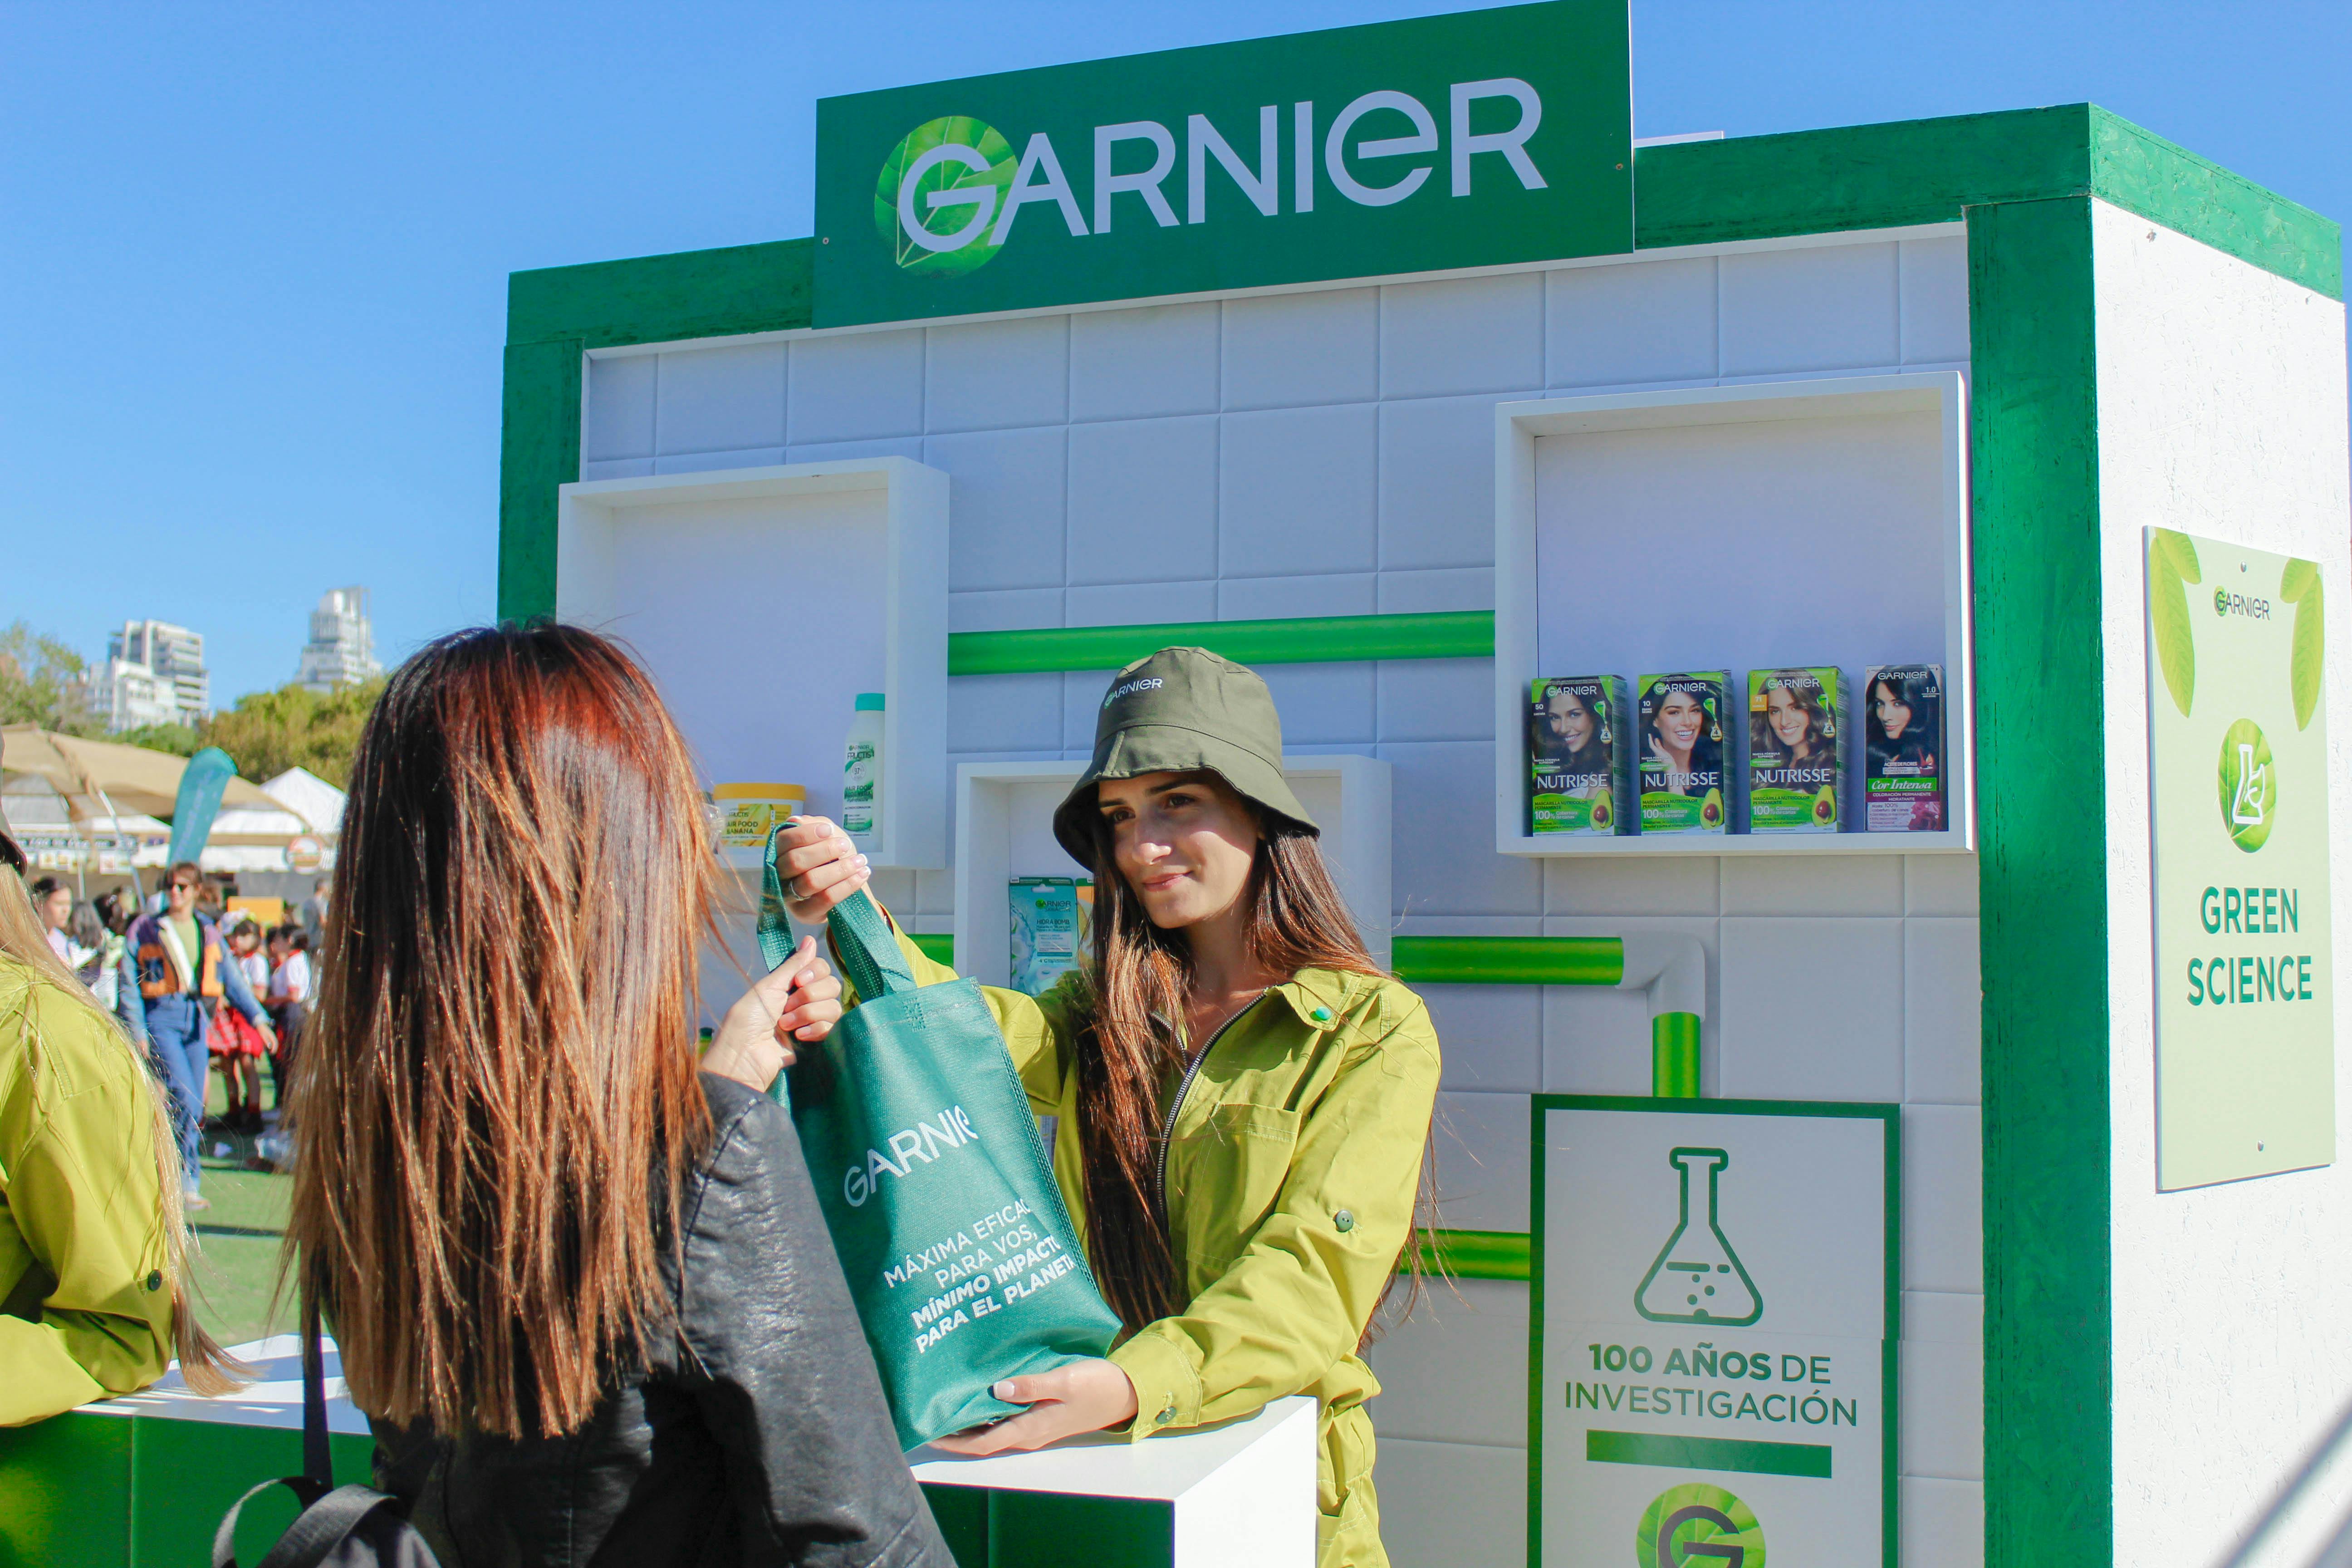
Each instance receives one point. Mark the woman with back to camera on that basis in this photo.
(585, 1296)
(1243, 1099)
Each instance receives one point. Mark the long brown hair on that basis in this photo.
(499, 1077)
(1131, 1041)
(205, 1366)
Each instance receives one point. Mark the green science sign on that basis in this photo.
(2245, 1040)
(1474, 140)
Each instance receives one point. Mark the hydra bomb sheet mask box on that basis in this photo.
(1682, 751)
(1052, 917)
(1903, 749)
(1576, 755)
(1796, 775)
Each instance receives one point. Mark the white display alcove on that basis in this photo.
(1005, 828)
(1761, 526)
(763, 601)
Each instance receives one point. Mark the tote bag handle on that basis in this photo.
(870, 955)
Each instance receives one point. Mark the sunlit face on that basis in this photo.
(1680, 719)
(1894, 713)
(179, 898)
(1788, 717)
(1568, 719)
(57, 908)
(1185, 843)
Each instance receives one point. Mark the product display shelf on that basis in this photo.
(1755, 526)
(1005, 829)
(763, 600)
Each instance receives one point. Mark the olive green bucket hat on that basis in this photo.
(1180, 710)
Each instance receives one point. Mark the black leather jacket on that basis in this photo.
(760, 1436)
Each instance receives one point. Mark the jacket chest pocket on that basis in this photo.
(1237, 1163)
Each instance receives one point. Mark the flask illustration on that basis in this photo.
(1697, 1278)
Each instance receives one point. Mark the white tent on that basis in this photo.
(254, 838)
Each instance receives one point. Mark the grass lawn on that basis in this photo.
(236, 1262)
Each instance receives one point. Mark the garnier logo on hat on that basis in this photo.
(1147, 683)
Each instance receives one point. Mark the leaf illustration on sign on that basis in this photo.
(2171, 564)
(2300, 586)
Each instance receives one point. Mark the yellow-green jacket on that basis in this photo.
(85, 1308)
(1291, 1178)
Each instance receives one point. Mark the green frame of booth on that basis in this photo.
(2022, 181)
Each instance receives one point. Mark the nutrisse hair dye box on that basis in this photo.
(1902, 723)
(1579, 780)
(1682, 746)
(1796, 750)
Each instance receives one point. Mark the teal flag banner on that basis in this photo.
(201, 783)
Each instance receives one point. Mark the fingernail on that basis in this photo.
(1003, 1391)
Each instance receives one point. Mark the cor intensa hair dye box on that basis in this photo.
(1796, 767)
(1684, 746)
(1903, 749)
(1578, 778)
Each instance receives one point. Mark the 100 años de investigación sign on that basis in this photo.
(1475, 140)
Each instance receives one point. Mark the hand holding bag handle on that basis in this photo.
(349, 1527)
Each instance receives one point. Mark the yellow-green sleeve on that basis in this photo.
(1300, 1294)
(88, 1310)
(1036, 1029)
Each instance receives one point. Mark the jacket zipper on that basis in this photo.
(1176, 1107)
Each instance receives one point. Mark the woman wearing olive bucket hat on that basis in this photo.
(1242, 1100)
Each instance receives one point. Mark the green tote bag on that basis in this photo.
(960, 1254)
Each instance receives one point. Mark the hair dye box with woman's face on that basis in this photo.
(1903, 749)
(1578, 777)
(1796, 759)
(1684, 747)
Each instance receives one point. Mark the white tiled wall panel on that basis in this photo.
(1331, 452)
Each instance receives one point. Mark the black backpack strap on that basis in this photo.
(327, 1524)
(224, 1537)
(318, 1458)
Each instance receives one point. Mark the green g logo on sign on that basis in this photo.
(2249, 785)
(2221, 601)
(940, 190)
(1698, 1526)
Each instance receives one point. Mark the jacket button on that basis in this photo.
(1345, 1219)
(1166, 1416)
(1320, 1014)
(154, 1279)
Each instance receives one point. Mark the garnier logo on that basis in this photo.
(2225, 603)
(1697, 1525)
(925, 1141)
(950, 191)
(2249, 781)
(940, 191)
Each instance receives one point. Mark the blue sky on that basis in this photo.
(255, 257)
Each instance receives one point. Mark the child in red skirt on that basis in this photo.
(236, 1046)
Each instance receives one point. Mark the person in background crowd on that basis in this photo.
(237, 1045)
(182, 971)
(287, 997)
(53, 901)
(85, 937)
(111, 977)
(313, 909)
(583, 1293)
(92, 1244)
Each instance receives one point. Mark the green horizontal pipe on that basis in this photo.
(939, 946)
(1308, 639)
(1674, 1056)
(1508, 960)
(1472, 1254)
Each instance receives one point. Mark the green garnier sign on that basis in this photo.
(1475, 140)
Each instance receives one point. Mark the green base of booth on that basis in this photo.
(111, 1491)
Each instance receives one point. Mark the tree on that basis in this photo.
(41, 683)
(180, 739)
(293, 726)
